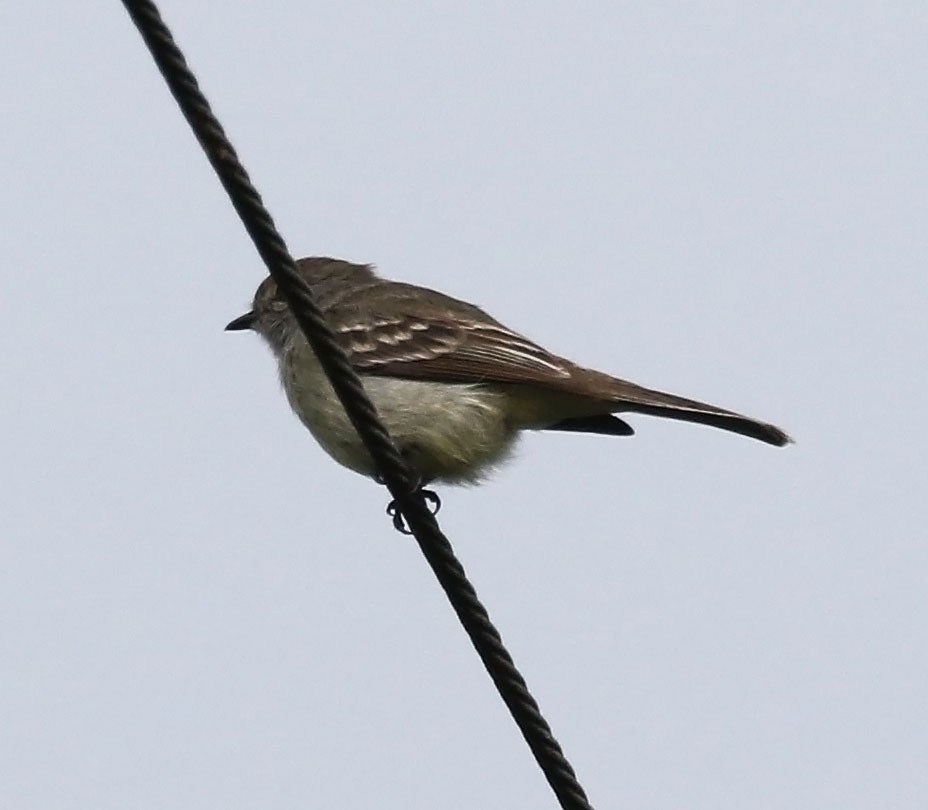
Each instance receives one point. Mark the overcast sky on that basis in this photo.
(198, 609)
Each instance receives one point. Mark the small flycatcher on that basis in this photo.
(452, 385)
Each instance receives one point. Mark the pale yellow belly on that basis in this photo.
(452, 433)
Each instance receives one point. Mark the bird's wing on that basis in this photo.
(444, 340)
(447, 346)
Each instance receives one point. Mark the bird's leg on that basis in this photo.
(432, 501)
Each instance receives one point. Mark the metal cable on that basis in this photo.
(399, 479)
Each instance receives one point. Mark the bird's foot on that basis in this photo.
(432, 502)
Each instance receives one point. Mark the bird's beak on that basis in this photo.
(246, 321)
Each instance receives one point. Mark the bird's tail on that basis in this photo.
(629, 397)
(621, 396)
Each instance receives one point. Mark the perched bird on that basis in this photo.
(453, 386)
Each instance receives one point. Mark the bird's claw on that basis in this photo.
(432, 502)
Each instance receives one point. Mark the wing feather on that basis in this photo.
(445, 347)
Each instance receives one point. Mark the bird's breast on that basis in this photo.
(449, 431)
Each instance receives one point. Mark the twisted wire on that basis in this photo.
(399, 479)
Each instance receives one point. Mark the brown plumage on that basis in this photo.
(400, 332)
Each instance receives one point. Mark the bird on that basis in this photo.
(454, 387)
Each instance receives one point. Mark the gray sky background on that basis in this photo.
(725, 200)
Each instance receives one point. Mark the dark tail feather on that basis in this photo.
(605, 424)
(726, 421)
(657, 403)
